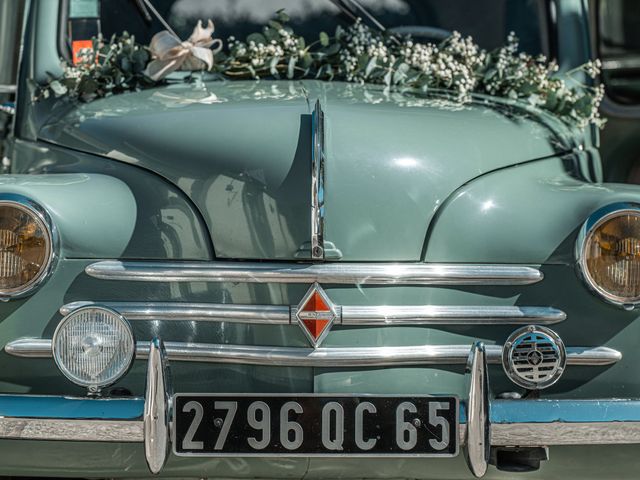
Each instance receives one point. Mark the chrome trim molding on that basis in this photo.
(562, 433)
(42, 217)
(8, 89)
(317, 182)
(30, 348)
(450, 315)
(323, 357)
(351, 315)
(156, 416)
(478, 423)
(85, 430)
(595, 220)
(337, 273)
(206, 312)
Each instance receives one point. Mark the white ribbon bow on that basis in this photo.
(171, 54)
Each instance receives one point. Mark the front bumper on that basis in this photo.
(484, 423)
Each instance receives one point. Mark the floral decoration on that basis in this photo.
(357, 54)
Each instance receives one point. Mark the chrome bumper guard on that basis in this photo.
(484, 423)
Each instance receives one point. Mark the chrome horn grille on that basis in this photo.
(534, 357)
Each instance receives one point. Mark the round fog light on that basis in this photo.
(93, 347)
(534, 357)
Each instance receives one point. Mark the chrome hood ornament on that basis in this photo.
(317, 183)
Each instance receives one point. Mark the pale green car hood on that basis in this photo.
(241, 151)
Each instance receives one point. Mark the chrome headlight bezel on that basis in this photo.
(43, 219)
(64, 369)
(593, 222)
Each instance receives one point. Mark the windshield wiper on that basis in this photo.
(142, 8)
(356, 5)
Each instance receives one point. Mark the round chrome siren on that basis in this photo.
(534, 357)
(93, 347)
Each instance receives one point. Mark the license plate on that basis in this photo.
(313, 425)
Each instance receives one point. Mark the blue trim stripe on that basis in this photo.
(569, 411)
(501, 411)
(30, 406)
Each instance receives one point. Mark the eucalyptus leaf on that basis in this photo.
(324, 39)
(306, 61)
(388, 76)
(273, 66)
(332, 49)
(270, 34)
(371, 65)
(58, 88)
(401, 73)
(291, 67)
(363, 60)
(282, 16)
(257, 38)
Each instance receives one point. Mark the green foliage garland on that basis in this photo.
(357, 54)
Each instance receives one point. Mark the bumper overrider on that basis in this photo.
(484, 422)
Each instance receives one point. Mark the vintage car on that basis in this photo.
(308, 278)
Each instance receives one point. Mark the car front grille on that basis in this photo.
(356, 274)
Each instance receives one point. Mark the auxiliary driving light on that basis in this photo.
(608, 253)
(534, 357)
(93, 347)
(26, 245)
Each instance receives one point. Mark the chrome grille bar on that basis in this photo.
(450, 315)
(211, 312)
(323, 357)
(326, 273)
(351, 315)
(85, 430)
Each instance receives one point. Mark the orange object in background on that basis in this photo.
(78, 45)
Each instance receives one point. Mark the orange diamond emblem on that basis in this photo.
(315, 314)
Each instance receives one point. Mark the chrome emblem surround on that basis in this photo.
(534, 357)
(305, 314)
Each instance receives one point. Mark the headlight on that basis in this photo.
(26, 245)
(608, 253)
(93, 347)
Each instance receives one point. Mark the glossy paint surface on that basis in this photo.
(391, 159)
(109, 209)
(530, 214)
(87, 224)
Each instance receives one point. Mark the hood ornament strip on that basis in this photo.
(317, 183)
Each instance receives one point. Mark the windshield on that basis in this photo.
(487, 21)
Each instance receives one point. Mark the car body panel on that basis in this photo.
(491, 182)
(88, 225)
(165, 222)
(506, 210)
(255, 193)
